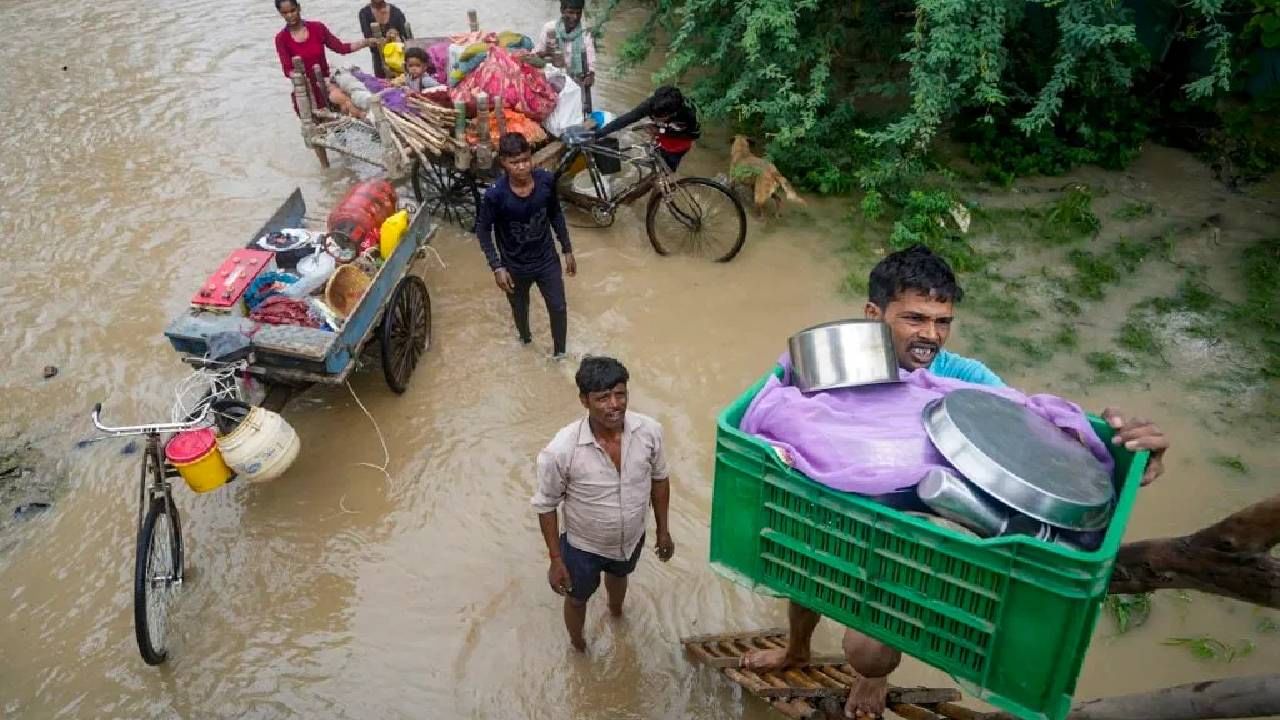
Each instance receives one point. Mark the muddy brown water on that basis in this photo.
(336, 591)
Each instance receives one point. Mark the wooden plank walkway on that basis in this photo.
(817, 690)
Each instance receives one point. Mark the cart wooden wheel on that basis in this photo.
(406, 331)
(446, 192)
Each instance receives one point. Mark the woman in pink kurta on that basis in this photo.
(307, 39)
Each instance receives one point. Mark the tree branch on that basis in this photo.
(1230, 558)
(1239, 697)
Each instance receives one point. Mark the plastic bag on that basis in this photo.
(393, 56)
(568, 109)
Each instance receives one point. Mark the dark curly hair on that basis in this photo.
(512, 144)
(916, 268)
(598, 374)
(667, 101)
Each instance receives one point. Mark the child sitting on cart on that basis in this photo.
(418, 71)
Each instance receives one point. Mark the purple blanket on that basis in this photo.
(392, 99)
(871, 440)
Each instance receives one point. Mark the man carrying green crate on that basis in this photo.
(915, 292)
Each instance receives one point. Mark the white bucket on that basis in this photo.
(262, 447)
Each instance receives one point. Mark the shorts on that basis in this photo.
(585, 568)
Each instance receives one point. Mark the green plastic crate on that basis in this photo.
(1011, 618)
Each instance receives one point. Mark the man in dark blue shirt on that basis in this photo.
(521, 210)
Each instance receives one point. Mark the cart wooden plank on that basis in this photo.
(294, 341)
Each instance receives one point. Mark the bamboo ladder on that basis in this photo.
(817, 690)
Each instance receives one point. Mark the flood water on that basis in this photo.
(337, 591)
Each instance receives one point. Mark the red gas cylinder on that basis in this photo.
(362, 209)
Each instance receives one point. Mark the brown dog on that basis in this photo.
(761, 175)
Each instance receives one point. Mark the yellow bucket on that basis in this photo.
(196, 455)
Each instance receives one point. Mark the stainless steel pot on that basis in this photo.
(955, 499)
(1021, 459)
(843, 354)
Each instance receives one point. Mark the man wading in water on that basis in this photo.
(522, 209)
(603, 471)
(915, 292)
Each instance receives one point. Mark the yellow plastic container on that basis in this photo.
(392, 230)
(393, 56)
(196, 455)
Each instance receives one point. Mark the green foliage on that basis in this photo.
(1052, 79)
(1192, 296)
(1108, 132)
(1133, 211)
(926, 219)
(1104, 363)
(957, 59)
(1137, 336)
(1093, 36)
(1205, 647)
(1030, 351)
(1265, 23)
(1094, 272)
(1261, 308)
(1065, 337)
(1231, 462)
(745, 173)
(832, 155)
(1129, 611)
(1253, 323)
(873, 205)
(1071, 216)
(1219, 44)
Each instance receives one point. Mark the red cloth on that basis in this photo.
(281, 310)
(521, 86)
(311, 51)
(674, 144)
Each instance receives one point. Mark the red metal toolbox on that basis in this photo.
(225, 287)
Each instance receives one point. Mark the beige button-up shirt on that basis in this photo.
(604, 509)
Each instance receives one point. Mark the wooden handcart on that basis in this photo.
(395, 312)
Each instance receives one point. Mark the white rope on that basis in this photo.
(201, 387)
(438, 258)
(386, 454)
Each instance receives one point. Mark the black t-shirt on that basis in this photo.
(682, 125)
(398, 23)
(522, 226)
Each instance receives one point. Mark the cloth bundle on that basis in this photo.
(521, 87)
(871, 440)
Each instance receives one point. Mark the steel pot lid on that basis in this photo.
(841, 354)
(1021, 459)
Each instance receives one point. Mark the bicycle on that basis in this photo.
(158, 565)
(691, 215)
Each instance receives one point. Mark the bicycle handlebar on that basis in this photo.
(157, 428)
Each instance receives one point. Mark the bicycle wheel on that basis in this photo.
(700, 217)
(155, 579)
